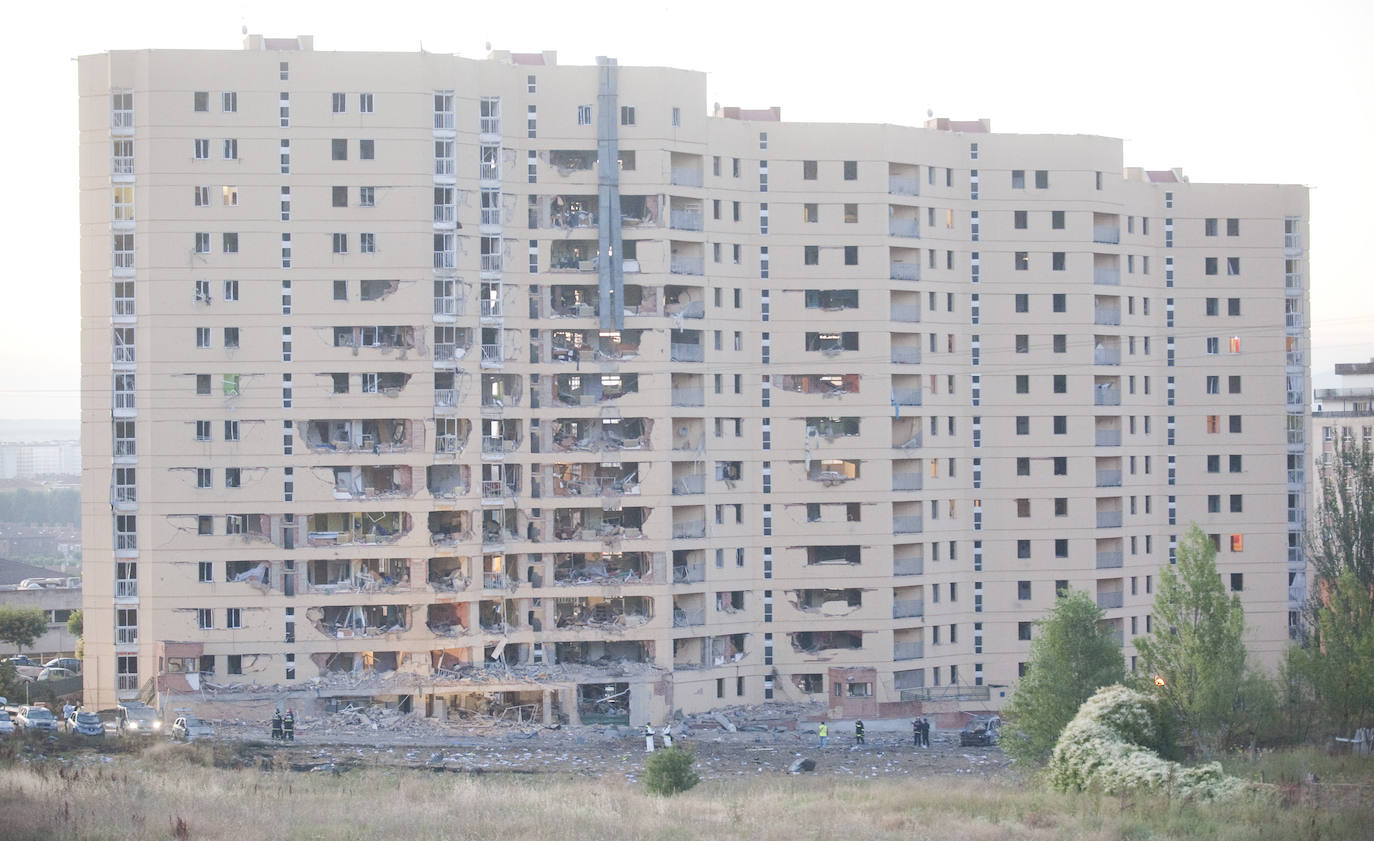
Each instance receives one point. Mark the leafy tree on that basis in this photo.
(74, 623)
(1197, 650)
(1333, 671)
(1073, 655)
(669, 772)
(21, 626)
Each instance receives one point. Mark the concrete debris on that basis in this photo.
(801, 764)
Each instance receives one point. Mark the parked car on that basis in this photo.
(84, 723)
(36, 717)
(189, 728)
(64, 663)
(22, 660)
(137, 719)
(6, 726)
(981, 731)
(53, 673)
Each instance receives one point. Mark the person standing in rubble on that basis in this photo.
(667, 736)
(858, 732)
(289, 726)
(276, 725)
(916, 732)
(824, 733)
(648, 738)
(925, 732)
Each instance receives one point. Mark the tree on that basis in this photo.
(1073, 655)
(1334, 668)
(74, 623)
(21, 626)
(1197, 650)
(669, 771)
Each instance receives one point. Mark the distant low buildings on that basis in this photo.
(50, 458)
(55, 593)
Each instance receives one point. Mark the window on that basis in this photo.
(1023, 632)
(204, 478)
(1059, 302)
(202, 383)
(584, 115)
(231, 149)
(202, 243)
(1058, 262)
(202, 337)
(1233, 423)
(851, 255)
(340, 103)
(1213, 384)
(1018, 179)
(1042, 179)
(1061, 465)
(341, 243)
(1057, 220)
(367, 196)
(1210, 306)
(1061, 424)
(1061, 342)
(230, 195)
(1209, 226)
(1213, 503)
(339, 196)
(1233, 227)
(627, 115)
(851, 170)
(1233, 266)
(231, 430)
(231, 338)
(202, 196)
(1019, 219)
(338, 149)
(1237, 579)
(367, 243)
(200, 100)
(1234, 464)
(230, 243)
(1061, 384)
(1237, 503)
(367, 150)
(231, 290)
(851, 213)
(233, 477)
(1022, 261)
(1022, 384)
(364, 103)
(1022, 425)
(1022, 302)
(233, 664)
(1214, 464)
(1213, 345)
(1023, 343)
(202, 149)
(1210, 265)
(203, 617)
(1233, 306)
(810, 212)
(1237, 545)
(811, 255)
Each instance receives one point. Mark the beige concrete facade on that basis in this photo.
(878, 392)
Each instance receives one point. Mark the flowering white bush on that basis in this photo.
(1101, 748)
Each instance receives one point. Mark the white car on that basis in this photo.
(189, 728)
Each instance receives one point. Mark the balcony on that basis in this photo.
(685, 220)
(1109, 520)
(1107, 397)
(689, 573)
(126, 588)
(903, 185)
(1106, 276)
(1109, 601)
(906, 355)
(1110, 560)
(1107, 234)
(907, 481)
(446, 306)
(443, 121)
(908, 650)
(905, 313)
(679, 352)
(908, 566)
(902, 270)
(445, 398)
(444, 214)
(689, 484)
(689, 529)
(1107, 437)
(688, 397)
(678, 264)
(909, 524)
(1109, 478)
(443, 259)
(1106, 356)
(492, 356)
(906, 397)
(908, 608)
(903, 227)
(688, 617)
(684, 176)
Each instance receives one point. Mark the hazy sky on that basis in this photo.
(1245, 92)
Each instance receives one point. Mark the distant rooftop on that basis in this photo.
(982, 125)
(12, 572)
(1350, 369)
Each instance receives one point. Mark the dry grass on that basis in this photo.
(177, 792)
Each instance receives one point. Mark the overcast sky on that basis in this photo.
(1245, 92)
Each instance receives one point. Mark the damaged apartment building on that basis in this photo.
(468, 385)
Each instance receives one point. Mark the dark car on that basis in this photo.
(22, 660)
(981, 731)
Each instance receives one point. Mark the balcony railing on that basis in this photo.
(445, 398)
(1296, 477)
(1107, 317)
(1107, 277)
(689, 397)
(443, 166)
(903, 185)
(1106, 397)
(902, 270)
(907, 524)
(443, 120)
(905, 313)
(1109, 478)
(689, 529)
(491, 308)
(1107, 601)
(690, 573)
(1109, 519)
(908, 566)
(491, 262)
(908, 650)
(1107, 234)
(491, 355)
(689, 485)
(686, 618)
(1106, 356)
(686, 220)
(443, 259)
(126, 588)
(1292, 243)
(686, 353)
(686, 176)
(126, 636)
(491, 216)
(906, 481)
(906, 396)
(121, 120)
(443, 214)
(1107, 437)
(904, 227)
(907, 608)
(445, 305)
(1110, 560)
(495, 581)
(122, 165)
(490, 125)
(906, 355)
(687, 265)
(488, 171)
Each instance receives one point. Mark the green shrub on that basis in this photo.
(669, 771)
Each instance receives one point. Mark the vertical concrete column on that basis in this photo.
(548, 707)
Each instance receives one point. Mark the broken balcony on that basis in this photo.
(831, 471)
(371, 575)
(497, 616)
(640, 299)
(600, 435)
(387, 383)
(383, 435)
(448, 481)
(828, 385)
(598, 524)
(730, 601)
(708, 652)
(451, 343)
(684, 301)
(688, 390)
(601, 568)
(689, 610)
(687, 258)
(689, 521)
(577, 346)
(257, 573)
(688, 479)
(568, 210)
(906, 433)
(371, 481)
(814, 642)
(451, 434)
(449, 528)
(574, 301)
(906, 390)
(573, 255)
(498, 526)
(689, 434)
(500, 437)
(569, 161)
(499, 482)
(344, 662)
(391, 337)
(498, 570)
(605, 613)
(359, 621)
(604, 652)
(684, 214)
(590, 389)
(686, 346)
(831, 555)
(448, 619)
(446, 392)
(828, 602)
(368, 527)
(500, 391)
(689, 566)
(593, 479)
(449, 575)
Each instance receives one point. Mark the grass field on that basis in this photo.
(178, 792)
